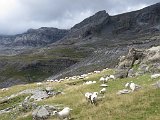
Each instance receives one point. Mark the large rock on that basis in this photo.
(124, 68)
(138, 62)
(27, 104)
(40, 113)
(43, 112)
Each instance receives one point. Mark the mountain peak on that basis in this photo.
(96, 18)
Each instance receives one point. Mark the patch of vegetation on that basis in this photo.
(12, 102)
(139, 105)
(37, 67)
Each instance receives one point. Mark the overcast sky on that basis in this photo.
(16, 16)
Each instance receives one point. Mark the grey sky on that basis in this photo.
(16, 16)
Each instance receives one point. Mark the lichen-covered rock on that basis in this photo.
(43, 112)
(124, 68)
(40, 113)
(138, 62)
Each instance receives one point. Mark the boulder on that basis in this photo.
(27, 104)
(43, 112)
(124, 68)
(131, 73)
(40, 113)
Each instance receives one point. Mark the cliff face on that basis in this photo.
(138, 62)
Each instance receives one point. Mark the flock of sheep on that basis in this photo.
(93, 97)
(79, 77)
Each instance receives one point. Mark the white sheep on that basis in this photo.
(97, 71)
(112, 77)
(127, 85)
(132, 86)
(89, 82)
(107, 78)
(94, 98)
(39, 83)
(88, 96)
(51, 80)
(103, 90)
(154, 76)
(64, 114)
(102, 79)
(5, 89)
(56, 80)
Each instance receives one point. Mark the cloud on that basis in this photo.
(16, 16)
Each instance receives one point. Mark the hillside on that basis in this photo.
(33, 38)
(142, 104)
(40, 99)
(93, 44)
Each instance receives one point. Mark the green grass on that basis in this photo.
(143, 104)
(12, 102)
(50, 61)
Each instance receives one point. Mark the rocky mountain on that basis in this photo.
(93, 44)
(30, 39)
(111, 36)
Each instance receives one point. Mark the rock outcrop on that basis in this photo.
(138, 62)
(15, 44)
(43, 112)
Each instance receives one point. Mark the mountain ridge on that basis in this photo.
(95, 43)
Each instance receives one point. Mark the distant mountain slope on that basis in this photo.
(111, 36)
(104, 26)
(95, 43)
(30, 39)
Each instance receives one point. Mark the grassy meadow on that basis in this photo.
(143, 104)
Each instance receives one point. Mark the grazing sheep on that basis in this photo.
(127, 85)
(154, 76)
(102, 79)
(88, 96)
(39, 83)
(97, 71)
(112, 77)
(48, 80)
(56, 80)
(94, 98)
(132, 86)
(51, 80)
(103, 90)
(5, 89)
(89, 82)
(107, 78)
(64, 114)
